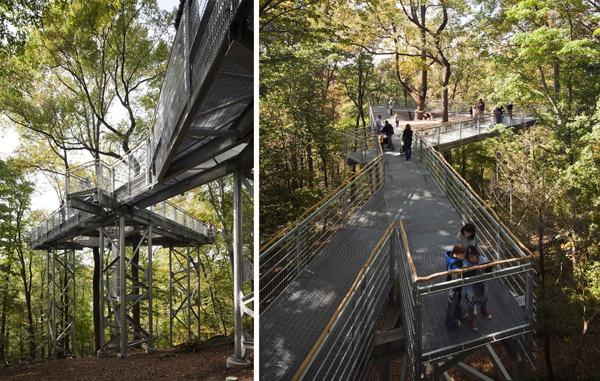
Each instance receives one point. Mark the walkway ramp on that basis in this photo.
(291, 325)
(294, 321)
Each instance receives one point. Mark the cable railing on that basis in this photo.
(453, 104)
(457, 131)
(342, 352)
(66, 218)
(511, 260)
(286, 255)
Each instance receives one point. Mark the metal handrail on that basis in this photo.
(358, 313)
(284, 257)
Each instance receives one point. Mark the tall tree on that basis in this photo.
(15, 193)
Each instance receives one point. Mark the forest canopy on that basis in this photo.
(322, 62)
(80, 82)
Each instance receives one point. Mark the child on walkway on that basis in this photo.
(476, 294)
(454, 260)
(468, 236)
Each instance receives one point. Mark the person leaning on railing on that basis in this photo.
(476, 294)
(454, 314)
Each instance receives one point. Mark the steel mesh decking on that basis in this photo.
(291, 325)
(431, 224)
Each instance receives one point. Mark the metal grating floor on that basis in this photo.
(431, 224)
(294, 321)
(292, 324)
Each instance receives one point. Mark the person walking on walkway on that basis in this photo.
(407, 140)
(454, 260)
(388, 130)
(481, 106)
(476, 294)
(378, 125)
(397, 118)
(391, 105)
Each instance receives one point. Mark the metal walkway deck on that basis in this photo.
(446, 136)
(290, 326)
(293, 322)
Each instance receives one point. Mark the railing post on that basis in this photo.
(500, 246)
(298, 247)
(345, 206)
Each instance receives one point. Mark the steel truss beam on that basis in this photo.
(61, 303)
(125, 296)
(184, 294)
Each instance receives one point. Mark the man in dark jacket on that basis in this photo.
(388, 130)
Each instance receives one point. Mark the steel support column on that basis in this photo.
(238, 360)
(123, 291)
(184, 298)
(61, 303)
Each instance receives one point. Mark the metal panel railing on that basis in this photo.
(176, 214)
(130, 173)
(282, 259)
(63, 219)
(342, 352)
(199, 39)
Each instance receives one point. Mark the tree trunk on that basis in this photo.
(423, 93)
(540, 248)
(3, 338)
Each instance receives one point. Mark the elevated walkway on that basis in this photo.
(461, 129)
(202, 130)
(292, 321)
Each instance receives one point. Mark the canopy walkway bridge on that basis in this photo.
(202, 130)
(464, 129)
(382, 236)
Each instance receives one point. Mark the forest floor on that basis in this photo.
(206, 363)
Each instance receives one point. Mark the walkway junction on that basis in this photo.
(202, 130)
(377, 244)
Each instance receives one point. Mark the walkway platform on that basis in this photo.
(431, 225)
(291, 325)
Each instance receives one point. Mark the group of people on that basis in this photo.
(464, 254)
(479, 110)
(385, 132)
